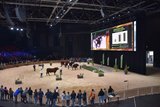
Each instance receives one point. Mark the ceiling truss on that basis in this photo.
(76, 11)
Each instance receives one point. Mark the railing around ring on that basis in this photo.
(130, 93)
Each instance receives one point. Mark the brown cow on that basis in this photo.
(64, 62)
(75, 66)
(50, 70)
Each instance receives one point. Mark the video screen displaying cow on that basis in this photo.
(99, 40)
(117, 38)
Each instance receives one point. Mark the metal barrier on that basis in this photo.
(131, 93)
(123, 95)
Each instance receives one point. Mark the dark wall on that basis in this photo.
(12, 38)
(74, 40)
(135, 60)
(153, 36)
(41, 36)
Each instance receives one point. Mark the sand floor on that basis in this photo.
(70, 82)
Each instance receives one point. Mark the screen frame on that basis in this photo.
(134, 34)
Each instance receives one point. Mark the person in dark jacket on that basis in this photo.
(111, 91)
(73, 98)
(79, 97)
(84, 97)
(35, 96)
(30, 93)
(54, 98)
(21, 92)
(5, 93)
(48, 95)
(101, 96)
(40, 96)
(10, 94)
(34, 67)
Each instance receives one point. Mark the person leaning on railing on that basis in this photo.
(101, 96)
(105, 95)
(111, 93)
(92, 97)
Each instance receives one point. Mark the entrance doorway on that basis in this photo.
(149, 58)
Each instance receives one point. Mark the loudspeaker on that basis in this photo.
(102, 13)
(9, 20)
(21, 13)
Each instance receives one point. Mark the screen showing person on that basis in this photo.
(118, 38)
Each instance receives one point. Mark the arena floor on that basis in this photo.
(70, 82)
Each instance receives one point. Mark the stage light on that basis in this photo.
(64, 11)
(70, 0)
(119, 15)
(21, 29)
(51, 25)
(17, 29)
(12, 28)
(57, 17)
(113, 17)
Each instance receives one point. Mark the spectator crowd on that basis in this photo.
(54, 98)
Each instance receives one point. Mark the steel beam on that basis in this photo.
(122, 10)
(86, 4)
(53, 11)
(62, 20)
(48, 5)
(55, 21)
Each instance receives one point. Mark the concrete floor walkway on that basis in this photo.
(141, 101)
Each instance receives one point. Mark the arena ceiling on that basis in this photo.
(52, 12)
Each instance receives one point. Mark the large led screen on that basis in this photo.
(117, 38)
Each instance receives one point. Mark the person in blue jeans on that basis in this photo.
(79, 97)
(101, 96)
(40, 95)
(48, 95)
(30, 92)
(35, 96)
(54, 98)
(68, 98)
(73, 98)
(63, 98)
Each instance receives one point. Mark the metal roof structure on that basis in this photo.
(52, 12)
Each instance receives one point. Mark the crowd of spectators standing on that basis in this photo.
(65, 99)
